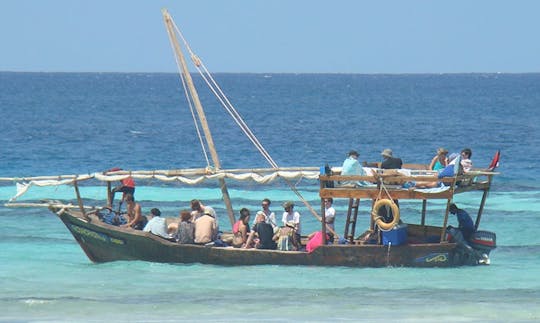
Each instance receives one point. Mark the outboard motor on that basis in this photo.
(477, 249)
(483, 241)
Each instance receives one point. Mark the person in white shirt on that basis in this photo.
(157, 225)
(269, 216)
(329, 217)
(292, 216)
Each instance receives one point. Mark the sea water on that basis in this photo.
(77, 123)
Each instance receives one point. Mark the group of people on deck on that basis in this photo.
(442, 163)
(200, 224)
(264, 232)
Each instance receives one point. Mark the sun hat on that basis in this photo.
(387, 153)
(288, 204)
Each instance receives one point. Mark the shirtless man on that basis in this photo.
(135, 219)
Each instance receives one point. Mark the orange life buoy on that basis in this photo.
(379, 220)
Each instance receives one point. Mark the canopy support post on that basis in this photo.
(79, 200)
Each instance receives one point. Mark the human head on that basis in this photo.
(155, 212)
(442, 151)
(260, 217)
(329, 200)
(244, 215)
(466, 153)
(196, 205)
(185, 216)
(387, 153)
(288, 206)
(353, 153)
(266, 203)
(129, 198)
(453, 208)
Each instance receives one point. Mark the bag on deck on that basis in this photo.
(114, 219)
(286, 240)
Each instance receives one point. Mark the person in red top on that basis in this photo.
(127, 186)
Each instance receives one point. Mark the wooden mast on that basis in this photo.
(200, 112)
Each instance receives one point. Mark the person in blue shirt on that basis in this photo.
(351, 166)
(466, 225)
(464, 233)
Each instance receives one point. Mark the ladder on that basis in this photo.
(352, 214)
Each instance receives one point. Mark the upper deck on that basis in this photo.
(389, 183)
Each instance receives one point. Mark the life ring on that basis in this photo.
(379, 220)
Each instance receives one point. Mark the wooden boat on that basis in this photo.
(103, 242)
(387, 241)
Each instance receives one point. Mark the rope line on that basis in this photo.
(227, 105)
(225, 102)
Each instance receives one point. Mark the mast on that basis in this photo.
(200, 112)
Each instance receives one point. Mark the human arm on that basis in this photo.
(433, 161)
(272, 219)
(243, 230)
(249, 239)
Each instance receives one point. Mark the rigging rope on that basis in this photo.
(227, 105)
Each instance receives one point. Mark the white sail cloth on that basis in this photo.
(23, 187)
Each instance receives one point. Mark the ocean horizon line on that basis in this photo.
(275, 73)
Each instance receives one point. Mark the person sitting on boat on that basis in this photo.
(389, 161)
(329, 217)
(133, 210)
(264, 232)
(465, 160)
(206, 228)
(449, 171)
(186, 228)
(198, 210)
(157, 225)
(127, 186)
(292, 216)
(440, 160)
(286, 238)
(350, 167)
(270, 217)
(241, 229)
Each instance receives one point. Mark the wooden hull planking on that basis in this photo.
(105, 243)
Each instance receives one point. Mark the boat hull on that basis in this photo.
(105, 243)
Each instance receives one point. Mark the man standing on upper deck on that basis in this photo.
(390, 162)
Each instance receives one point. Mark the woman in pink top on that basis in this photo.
(241, 229)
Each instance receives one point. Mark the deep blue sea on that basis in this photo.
(77, 123)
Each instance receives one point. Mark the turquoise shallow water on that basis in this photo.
(46, 276)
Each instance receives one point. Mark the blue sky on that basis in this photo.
(298, 36)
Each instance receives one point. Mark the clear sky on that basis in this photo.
(299, 36)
